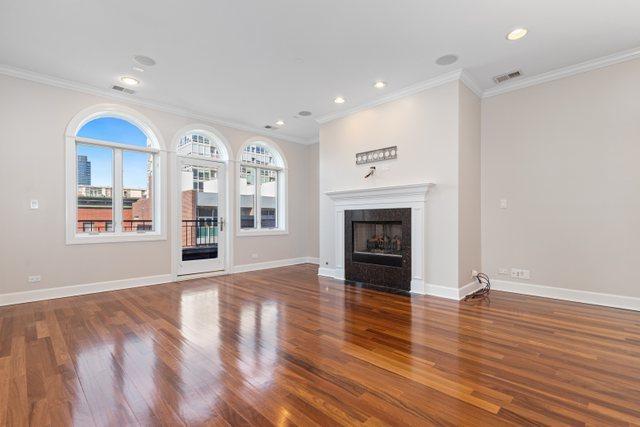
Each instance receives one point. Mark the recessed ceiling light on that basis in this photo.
(144, 60)
(517, 34)
(280, 123)
(129, 81)
(379, 84)
(339, 100)
(446, 59)
(304, 113)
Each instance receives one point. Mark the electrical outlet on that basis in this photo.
(503, 271)
(517, 273)
(34, 279)
(34, 204)
(254, 256)
(503, 203)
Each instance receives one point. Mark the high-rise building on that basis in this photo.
(84, 171)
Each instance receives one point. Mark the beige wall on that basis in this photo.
(565, 155)
(33, 119)
(469, 194)
(313, 188)
(425, 127)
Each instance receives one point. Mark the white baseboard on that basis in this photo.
(113, 285)
(312, 260)
(469, 288)
(587, 297)
(243, 268)
(418, 287)
(89, 288)
(440, 291)
(450, 292)
(327, 272)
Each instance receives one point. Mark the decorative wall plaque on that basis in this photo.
(378, 155)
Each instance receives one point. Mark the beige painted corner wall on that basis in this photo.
(565, 154)
(469, 181)
(33, 119)
(425, 129)
(313, 208)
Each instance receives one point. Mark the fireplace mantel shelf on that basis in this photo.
(388, 194)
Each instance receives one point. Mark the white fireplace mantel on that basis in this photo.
(413, 196)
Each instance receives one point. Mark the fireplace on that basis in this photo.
(378, 247)
(378, 242)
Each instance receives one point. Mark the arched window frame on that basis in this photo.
(158, 183)
(282, 197)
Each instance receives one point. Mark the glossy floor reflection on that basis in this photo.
(282, 346)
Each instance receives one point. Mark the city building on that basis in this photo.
(84, 170)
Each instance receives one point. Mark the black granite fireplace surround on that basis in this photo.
(378, 247)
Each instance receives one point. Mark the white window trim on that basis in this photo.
(283, 193)
(159, 177)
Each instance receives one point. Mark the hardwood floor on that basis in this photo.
(283, 347)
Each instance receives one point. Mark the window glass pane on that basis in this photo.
(268, 198)
(137, 187)
(259, 155)
(94, 189)
(247, 197)
(199, 145)
(199, 224)
(114, 130)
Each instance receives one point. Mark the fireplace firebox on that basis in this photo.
(378, 247)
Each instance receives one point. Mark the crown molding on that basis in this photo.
(392, 96)
(159, 106)
(470, 83)
(560, 73)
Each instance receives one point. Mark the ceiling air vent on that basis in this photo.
(123, 89)
(508, 76)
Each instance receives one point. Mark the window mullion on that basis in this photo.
(117, 191)
(277, 201)
(258, 207)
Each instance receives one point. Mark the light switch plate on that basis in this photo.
(34, 204)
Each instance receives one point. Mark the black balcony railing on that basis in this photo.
(137, 225)
(101, 226)
(200, 232)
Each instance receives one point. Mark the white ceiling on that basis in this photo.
(256, 61)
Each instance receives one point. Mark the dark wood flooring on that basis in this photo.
(284, 347)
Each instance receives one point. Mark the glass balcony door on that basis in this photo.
(202, 223)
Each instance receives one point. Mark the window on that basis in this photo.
(196, 144)
(262, 190)
(114, 177)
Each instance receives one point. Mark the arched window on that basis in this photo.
(113, 168)
(261, 188)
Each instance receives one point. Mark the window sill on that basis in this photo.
(90, 239)
(255, 233)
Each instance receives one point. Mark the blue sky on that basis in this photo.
(115, 130)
